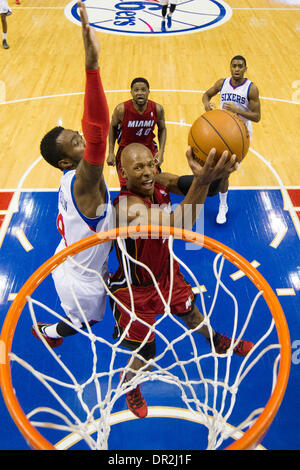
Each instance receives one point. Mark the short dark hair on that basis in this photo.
(239, 57)
(139, 79)
(49, 147)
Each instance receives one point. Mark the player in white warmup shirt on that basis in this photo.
(172, 7)
(84, 202)
(4, 12)
(239, 95)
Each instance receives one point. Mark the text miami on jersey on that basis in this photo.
(144, 127)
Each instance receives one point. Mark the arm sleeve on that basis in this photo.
(184, 183)
(95, 120)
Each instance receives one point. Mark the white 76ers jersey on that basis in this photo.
(238, 95)
(74, 226)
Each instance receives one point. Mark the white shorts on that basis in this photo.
(4, 8)
(88, 291)
(167, 2)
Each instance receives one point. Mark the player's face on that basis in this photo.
(238, 69)
(140, 173)
(140, 93)
(72, 145)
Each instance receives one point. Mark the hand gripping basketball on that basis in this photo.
(222, 130)
(212, 169)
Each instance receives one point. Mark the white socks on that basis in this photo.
(223, 198)
(51, 331)
(223, 208)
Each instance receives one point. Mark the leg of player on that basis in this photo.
(55, 333)
(223, 207)
(4, 31)
(164, 14)
(221, 342)
(172, 9)
(134, 399)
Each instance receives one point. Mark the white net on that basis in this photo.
(210, 389)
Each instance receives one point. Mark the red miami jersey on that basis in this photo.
(154, 253)
(138, 128)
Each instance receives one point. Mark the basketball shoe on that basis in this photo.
(4, 44)
(221, 217)
(222, 344)
(163, 26)
(53, 342)
(136, 403)
(169, 19)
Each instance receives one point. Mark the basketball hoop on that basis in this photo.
(258, 422)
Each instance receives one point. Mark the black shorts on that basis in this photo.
(213, 189)
(148, 351)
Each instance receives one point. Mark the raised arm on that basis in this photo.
(95, 126)
(134, 212)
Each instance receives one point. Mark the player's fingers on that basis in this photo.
(225, 160)
(192, 161)
(235, 166)
(83, 13)
(231, 164)
(210, 157)
(189, 153)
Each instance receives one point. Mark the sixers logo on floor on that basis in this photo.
(143, 18)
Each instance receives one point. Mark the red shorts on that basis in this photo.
(148, 304)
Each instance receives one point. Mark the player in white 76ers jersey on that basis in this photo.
(241, 96)
(84, 202)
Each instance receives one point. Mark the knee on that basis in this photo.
(148, 351)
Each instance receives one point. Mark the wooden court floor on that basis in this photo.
(42, 81)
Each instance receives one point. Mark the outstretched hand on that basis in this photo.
(91, 43)
(212, 171)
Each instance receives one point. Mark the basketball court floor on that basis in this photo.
(42, 83)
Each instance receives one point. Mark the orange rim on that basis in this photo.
(254, 435)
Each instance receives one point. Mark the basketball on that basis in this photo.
(222, 130)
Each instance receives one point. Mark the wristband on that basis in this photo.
(184, 183)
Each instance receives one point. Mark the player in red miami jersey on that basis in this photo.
(144, 201)
(135, 121)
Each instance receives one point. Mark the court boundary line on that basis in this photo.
(14, 203)
(287, 203)
(159, 90)
(16, 8)
(235, 188)
(13, 206)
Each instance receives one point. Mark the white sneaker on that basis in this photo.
(221, 217)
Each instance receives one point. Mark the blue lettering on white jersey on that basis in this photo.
(239, 95)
